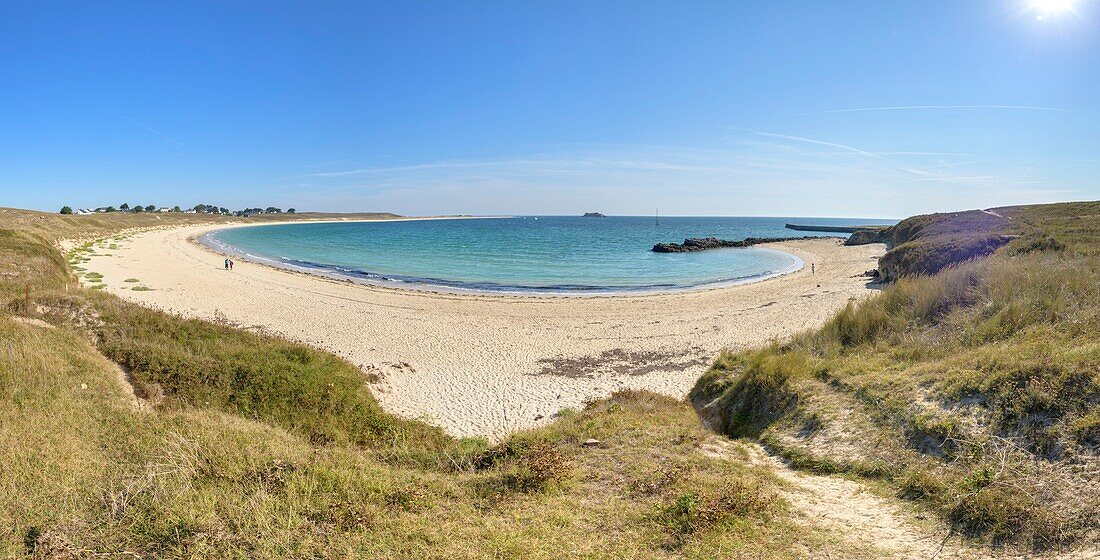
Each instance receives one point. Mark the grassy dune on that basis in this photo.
(84, 471)
(973, 391)
(241, 445)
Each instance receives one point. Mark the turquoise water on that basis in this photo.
(554, 254)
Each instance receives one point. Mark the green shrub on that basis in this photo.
(206, 365)
(918, 483)
(525, 465)
(695, 512)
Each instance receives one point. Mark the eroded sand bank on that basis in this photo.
(482, 365)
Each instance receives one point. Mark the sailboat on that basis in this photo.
(657, 215)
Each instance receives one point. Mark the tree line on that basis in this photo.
(197, 209)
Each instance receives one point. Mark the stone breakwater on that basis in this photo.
(861, 235)
(705, 243)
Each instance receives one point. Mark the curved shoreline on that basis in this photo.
(441, 286)
(488, 364)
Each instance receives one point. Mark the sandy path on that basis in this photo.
(488, 365)
(849, 510)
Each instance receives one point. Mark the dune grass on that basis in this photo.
(85, 473)
(312, 393)
(974, 390)
(248, 446)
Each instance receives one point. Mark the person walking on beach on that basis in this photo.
(230, 264)
(227, 264)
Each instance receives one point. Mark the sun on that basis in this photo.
(1052, 6)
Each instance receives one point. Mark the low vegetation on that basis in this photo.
(974, 391)
(130, 432)
(85, 472)
(927, 244)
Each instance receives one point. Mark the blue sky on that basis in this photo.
(855, 108)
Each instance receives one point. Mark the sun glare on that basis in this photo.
(1050, 7)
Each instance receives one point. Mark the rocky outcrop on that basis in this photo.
(705, 243)
(868, 236)
(925, 245)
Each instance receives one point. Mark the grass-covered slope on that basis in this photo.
(84, 474)
(974, 390)
(247, 446)
(929, 243)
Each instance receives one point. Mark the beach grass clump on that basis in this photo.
(524, 465)
(131, 280)
(691, 513)
(141, 289)
(291, 385)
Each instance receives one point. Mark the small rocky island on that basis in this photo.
(705, 243)
(594, 215)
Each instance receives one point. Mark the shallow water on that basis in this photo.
(557, 254)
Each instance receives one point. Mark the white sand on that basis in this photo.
(485, 365)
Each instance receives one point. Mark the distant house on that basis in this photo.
(191, 211)
(101, 209)
(164, 209)
(83, 211)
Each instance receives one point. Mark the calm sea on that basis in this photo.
(553, 254)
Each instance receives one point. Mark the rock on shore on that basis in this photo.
(866, 236)
(704, 243)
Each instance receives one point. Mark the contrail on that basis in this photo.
(810, 141)
(935, 107)
(157, 132)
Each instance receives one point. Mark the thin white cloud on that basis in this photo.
(916, 171)
(157, 132)
(761, 172)
(326, 163)
(938, 107)
(534, 164)
(930, 154)
(958, 178)
(845, 147)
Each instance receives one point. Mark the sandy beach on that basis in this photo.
(487, 365)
